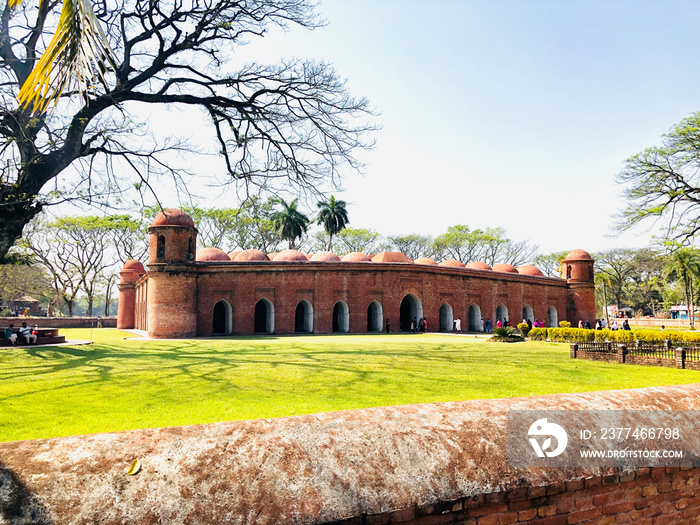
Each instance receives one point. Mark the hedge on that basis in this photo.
(583, 335)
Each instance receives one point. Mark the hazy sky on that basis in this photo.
(505, 113)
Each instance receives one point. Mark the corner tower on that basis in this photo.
(172, 278)
(126, 314)
(578, 271)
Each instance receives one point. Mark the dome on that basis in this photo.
(290, 256)
(134, 266)
(529, 270)
(309, 256)
(578, 255)
(391, 257)
(212, 254)
(504, 267)
(478, 265)
(453, 262)
(232, 255)
(357, 257)
(424, 260)
(173, 217)
(325, 257)
(251, 255)
(272, 255)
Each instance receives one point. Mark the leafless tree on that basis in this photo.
(288, 125)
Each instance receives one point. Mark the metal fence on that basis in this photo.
(665, 350)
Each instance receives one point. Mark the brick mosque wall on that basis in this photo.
(413, 464)
(359, 284)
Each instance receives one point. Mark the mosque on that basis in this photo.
(201, 293)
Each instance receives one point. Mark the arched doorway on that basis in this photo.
(304, 317)
(375, 319)
(264, 321)
(474, 318)
(341, 317)
(222, 318)
(411, 308)
(501, 313)
(528, 313)
(552, 317)
(446, 318)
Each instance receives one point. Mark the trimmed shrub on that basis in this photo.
(538, 334)
(524, 328)
(570, 335)
(564, 324)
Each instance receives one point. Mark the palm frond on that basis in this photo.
(76, 55)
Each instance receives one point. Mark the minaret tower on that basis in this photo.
(578, 272)
(172, 279)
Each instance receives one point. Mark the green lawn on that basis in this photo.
(118, 384)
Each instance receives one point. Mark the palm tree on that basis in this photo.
(684, 265)
(333, 217)
(77, 54)
(289, 222)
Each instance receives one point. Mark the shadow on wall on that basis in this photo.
(17, 503)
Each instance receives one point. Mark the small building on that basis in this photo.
(20, 304)
(188, 292)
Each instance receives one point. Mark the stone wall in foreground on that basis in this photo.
(419, 464)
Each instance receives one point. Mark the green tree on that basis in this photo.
(412, 245)
(550, 264)
(358, 240)
(460, 243)
(291, 124)
(664, 183)
(333, 216)
(289, 222)
(619, 265)
(683, 264)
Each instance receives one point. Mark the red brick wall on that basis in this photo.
(653, 496)
(358, 284)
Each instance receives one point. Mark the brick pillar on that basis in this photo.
(680, 358)
(621, 351)
(573, 349)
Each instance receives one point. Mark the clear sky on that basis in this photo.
(506, 113)
(510, 113)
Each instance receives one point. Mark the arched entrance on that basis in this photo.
(474, 318)
(552, 317)
(411, 308)
(304, 317)
(264, 321)
(446, 318)
(528, 313)
(501, 313)
(222, 318)
(341, 317)
(375, 319)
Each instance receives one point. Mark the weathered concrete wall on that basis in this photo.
(431, 463)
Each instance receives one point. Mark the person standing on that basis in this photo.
(458, 325)
(487, 325)
(388, 326)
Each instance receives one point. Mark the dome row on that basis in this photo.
(215, 254)
(175, 217)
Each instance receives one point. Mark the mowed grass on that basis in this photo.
(119, 384)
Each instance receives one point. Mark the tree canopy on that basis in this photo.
(290, 125)
(662, 183)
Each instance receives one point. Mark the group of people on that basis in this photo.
(601, 324)
(419, 327)
(24, 331)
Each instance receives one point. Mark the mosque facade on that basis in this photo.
(187, 292)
